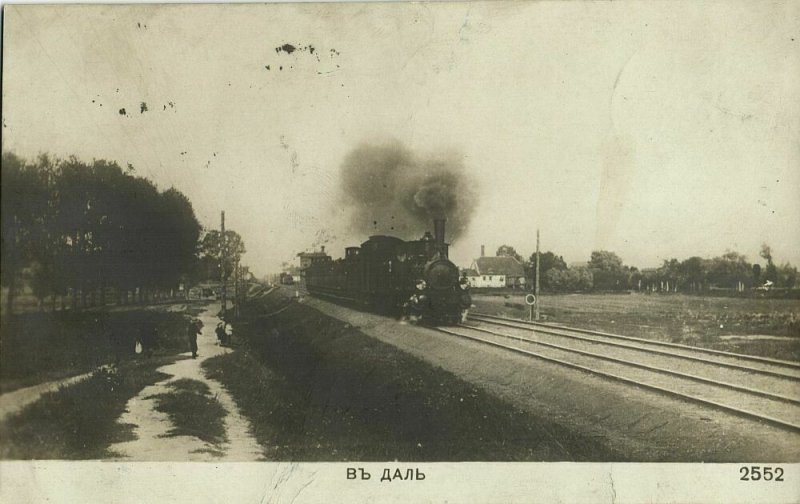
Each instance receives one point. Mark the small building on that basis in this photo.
(496, 272)
(309, 258)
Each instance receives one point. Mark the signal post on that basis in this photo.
(536, 288)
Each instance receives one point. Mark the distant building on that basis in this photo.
(496, 272)
(309, 258)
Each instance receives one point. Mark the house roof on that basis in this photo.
(312, 254)
(469, 272)
(499, 266)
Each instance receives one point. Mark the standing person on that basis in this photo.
(153, 341)
(228, 333)
(114, 338)
(220, 331)
(465, 300)
(117, 345)
(149, 339)
(195, 327)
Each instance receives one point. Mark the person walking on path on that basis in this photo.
(195, 328)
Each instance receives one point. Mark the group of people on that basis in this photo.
(414, 308)
(223, 332)
(147, 338)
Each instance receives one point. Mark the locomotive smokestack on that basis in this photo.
(438, 232)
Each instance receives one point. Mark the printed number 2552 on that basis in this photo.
(757, 473)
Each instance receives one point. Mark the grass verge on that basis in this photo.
(316, 389)
(193, 411)
(40, 347)
(79, 422)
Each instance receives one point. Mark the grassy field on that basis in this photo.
(766, 327)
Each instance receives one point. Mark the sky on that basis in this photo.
(652, 129)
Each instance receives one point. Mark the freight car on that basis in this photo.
(390, 275)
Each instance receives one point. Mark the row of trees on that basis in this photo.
(728, 271)
(605, 271)
(72, 226)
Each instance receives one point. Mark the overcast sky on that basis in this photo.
(655, 130)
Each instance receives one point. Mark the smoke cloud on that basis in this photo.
(390, 190)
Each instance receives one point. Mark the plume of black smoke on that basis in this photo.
(389, 190)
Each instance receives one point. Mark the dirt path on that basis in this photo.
(153, 443)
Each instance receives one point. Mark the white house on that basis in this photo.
(496, 272)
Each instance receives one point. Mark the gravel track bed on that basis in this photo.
(761, 405)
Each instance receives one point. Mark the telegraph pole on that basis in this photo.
(223, 261)
(536, 305)
(236, 290)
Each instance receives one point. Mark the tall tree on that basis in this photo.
(693, 273)
(508, 251)
(569, 280)
(604, 260)
(547, 261)
(227, 253)
(787, 275)
(729, 269)
(607, 270)
(23, 206)
(92, 226)
(180, 233)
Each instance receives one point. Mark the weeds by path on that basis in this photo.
(193, 411)
(79, 422)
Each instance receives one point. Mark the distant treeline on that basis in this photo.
(77, 228)
(605, 271)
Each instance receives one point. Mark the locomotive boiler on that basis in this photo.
(389, 275)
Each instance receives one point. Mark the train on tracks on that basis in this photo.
(391, 275)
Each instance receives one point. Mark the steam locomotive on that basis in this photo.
(389, 275)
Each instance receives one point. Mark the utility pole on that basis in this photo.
(223, 260)
(536, 305)
(236, 290)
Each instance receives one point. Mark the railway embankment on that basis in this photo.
(592, 417)
(316, 388)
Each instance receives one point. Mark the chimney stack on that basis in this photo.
(323, 249)
(483, 250)
(438, 231)
(438, 236)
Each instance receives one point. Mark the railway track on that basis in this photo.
(766, 390)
